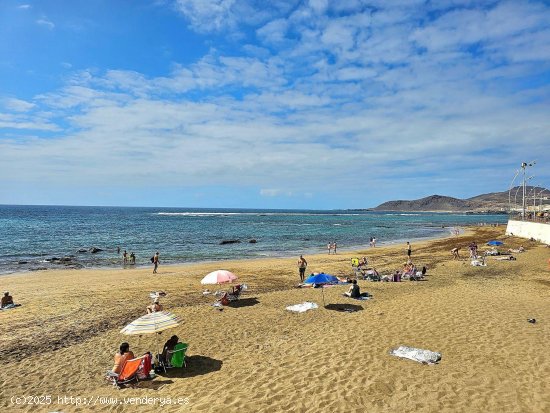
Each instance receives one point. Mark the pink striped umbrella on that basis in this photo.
(219, 277)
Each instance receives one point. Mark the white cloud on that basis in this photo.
(24, 6)
(275, 192)
(46, 23)
(18, 105)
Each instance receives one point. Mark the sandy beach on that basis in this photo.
(258, 357)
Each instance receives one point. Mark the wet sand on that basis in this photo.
(258, 357)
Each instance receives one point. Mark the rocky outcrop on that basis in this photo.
(229, 241)
(95, 250)
(252, 241)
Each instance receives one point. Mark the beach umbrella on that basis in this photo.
(321, 279)
(219, 277)
(152, 323)
(495, 242)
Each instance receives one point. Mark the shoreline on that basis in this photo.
(285, 255)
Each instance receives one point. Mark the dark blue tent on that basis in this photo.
(495, 242)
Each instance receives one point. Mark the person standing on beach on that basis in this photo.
(329, 247)
(373, 242)
(302, 265)
(118, 250)
(125, 257)
(334, 246)
(156, 262)
(409, 250)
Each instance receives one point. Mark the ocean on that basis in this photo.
(43, 237)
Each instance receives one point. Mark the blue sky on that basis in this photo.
(281, 104)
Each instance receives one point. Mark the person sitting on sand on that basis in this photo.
(354, 291)
(122, 356)
(168, 346)
(396, 276)
(224, 299)
(7, 299)
(156, 306)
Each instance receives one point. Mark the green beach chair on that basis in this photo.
(177, 356)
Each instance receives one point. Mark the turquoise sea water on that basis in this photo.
(30, 236)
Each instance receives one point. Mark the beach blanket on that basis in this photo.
(302, 307)
(10, 306)
(363, 296)
(478, 263)
(417, 354)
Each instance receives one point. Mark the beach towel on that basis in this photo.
(302, 307)
(508, 258)
(10, 306)
(417, 354)
(363, 296)
(477, 263)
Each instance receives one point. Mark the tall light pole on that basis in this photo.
(523, 166)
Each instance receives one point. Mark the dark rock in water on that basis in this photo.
(38, 269)
(252, 241)
(65, 259)
(22, 262)
(51, 259)
(82, 250)
(229, 241)
(94, 250)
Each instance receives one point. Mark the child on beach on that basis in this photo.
(454, 251)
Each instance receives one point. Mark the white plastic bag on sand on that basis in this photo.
(303, 307)
(417, 354)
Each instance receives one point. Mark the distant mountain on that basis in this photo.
(493, 202)
(430, 203)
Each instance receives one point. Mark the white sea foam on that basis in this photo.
(222, 214)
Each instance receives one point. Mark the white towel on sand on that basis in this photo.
(302, 307)
(417, 354)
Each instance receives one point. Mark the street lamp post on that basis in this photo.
(523, 166)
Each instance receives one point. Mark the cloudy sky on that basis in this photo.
(279, 104)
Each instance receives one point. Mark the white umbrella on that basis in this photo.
(219, 277)
(151, 324)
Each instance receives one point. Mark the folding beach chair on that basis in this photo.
(236, 293)
(356, 268)
(176, 357)
(129, 372)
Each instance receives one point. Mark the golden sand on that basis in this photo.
(258, 357)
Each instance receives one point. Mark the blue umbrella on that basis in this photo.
(322, 278)
(495, 242)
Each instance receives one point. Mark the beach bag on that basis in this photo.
(152, 259)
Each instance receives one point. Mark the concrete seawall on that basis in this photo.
(526, 229)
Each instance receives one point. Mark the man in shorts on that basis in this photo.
(408, 249)
(302, 265)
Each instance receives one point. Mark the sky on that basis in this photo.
(283, 104)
